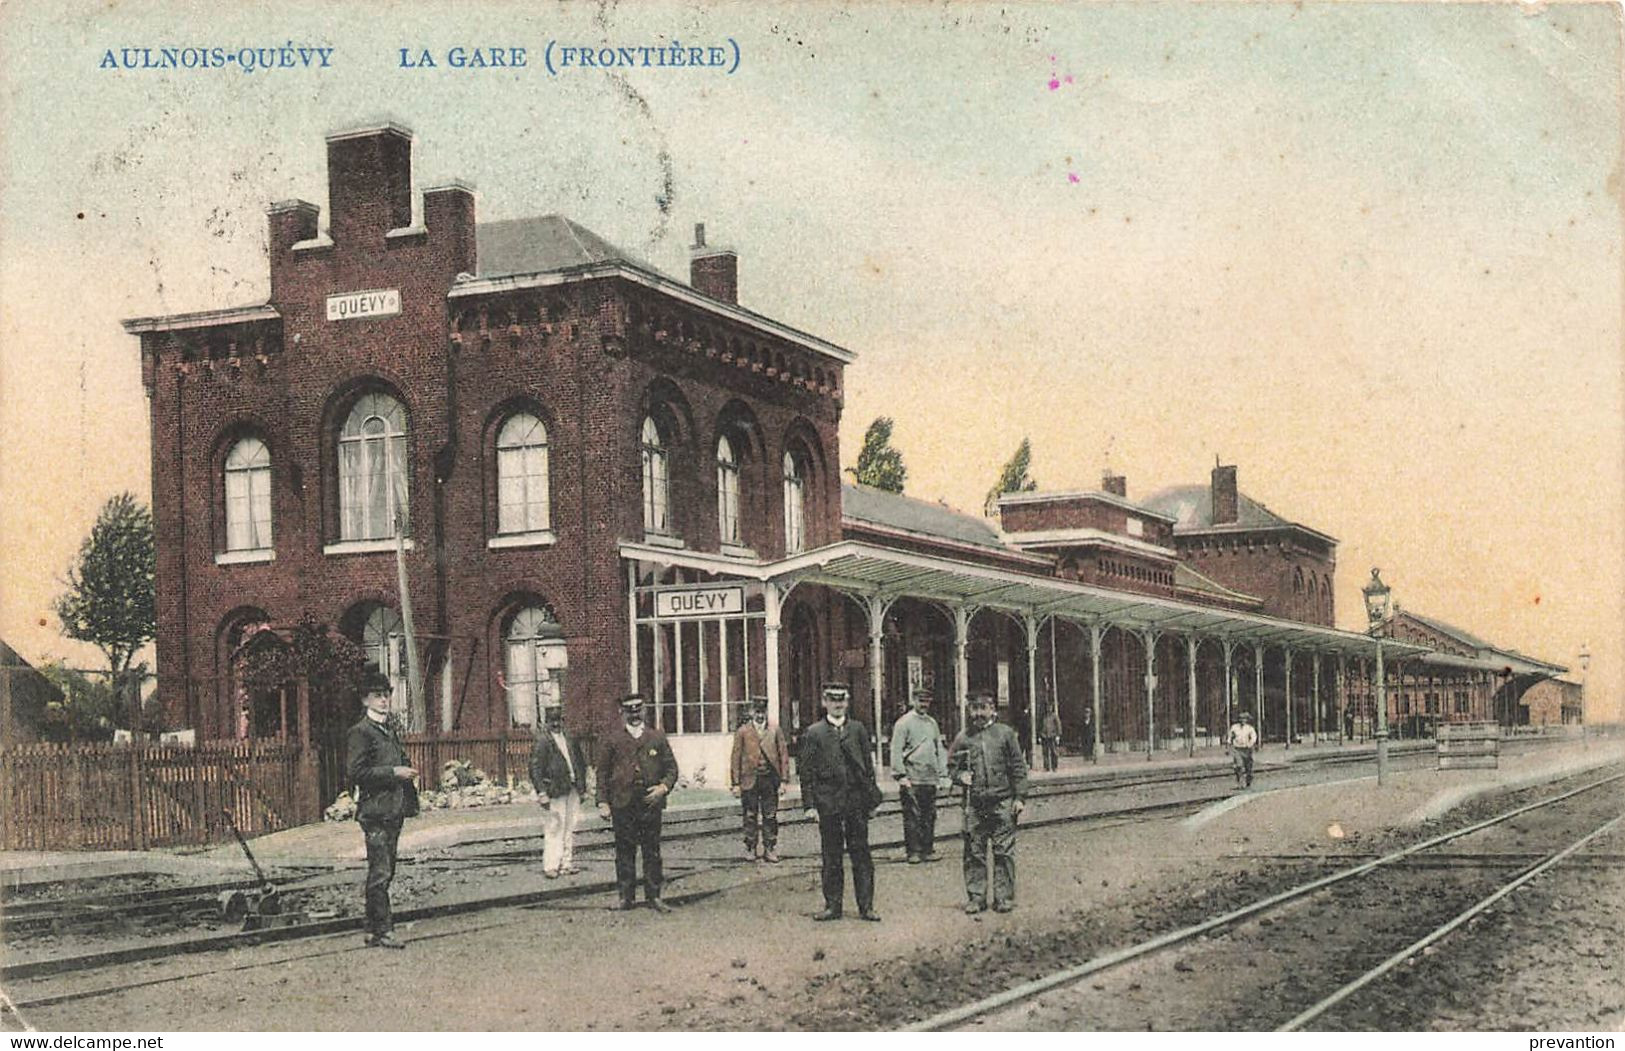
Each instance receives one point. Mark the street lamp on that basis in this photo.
(1585, 669)
(1377, 606)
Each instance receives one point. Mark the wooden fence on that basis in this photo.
(132, 797)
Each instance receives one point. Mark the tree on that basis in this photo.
(879, 464)
(111, 598)
(1013, 478)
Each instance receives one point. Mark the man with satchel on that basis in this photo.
(636, 771)
(987, 761)
(838, 786)
(761, 758)
(385, 797)
(558, 770)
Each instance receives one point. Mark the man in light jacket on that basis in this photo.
(919, 760)
(756, 771)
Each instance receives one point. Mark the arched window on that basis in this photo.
(656, 479)
(372, 469)
(795, 505)
(1297, 581)
(248, 496)
(727, 491)
(533, 654)
(383, 639)
(522, 497)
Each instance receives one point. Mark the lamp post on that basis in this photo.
(1585, 673)
(1377, 599)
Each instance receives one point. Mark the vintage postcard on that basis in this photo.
(811, 516)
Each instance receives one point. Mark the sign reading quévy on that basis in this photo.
(702, 602)
(380, 302)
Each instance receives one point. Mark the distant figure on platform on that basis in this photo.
(919, 760)
(1348, 724)
(838, 785)
(1049, 734)
(558, 770)
(1242, 740)
(1087, 728)
(385, 797)
(987, 763)
(756, 774)
(636, 771)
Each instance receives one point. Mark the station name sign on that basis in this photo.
(348, 306)
(699, 602)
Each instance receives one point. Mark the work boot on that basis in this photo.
(771, 857)
(660, 906)
(973, 907)
(827, 915)
(385, 940)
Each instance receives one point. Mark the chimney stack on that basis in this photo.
(1226, 505)
(1115, 484)
(369, 183)
(712, 270)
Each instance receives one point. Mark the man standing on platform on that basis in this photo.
(1242, 740)
(385, 797)
(756, 772)
(1049, 733)
(986, 760)
(636, 771)
(558, 770)
(838, 785)
(919, 759)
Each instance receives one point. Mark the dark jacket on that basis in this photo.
(837, 768)
(548, 770)
(751, 748)
(997, 766)
(373, 751)
(628, 768)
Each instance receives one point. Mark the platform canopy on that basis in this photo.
(860, 568)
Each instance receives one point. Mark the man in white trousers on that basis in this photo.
(558, 770)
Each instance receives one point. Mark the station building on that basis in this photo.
(585, 476)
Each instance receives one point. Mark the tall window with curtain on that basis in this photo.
(795, 506)
(372, 469)
(248, 496)
(533, 659)
(522, 493)
(727, 491)
(656, 479)
(383, 639)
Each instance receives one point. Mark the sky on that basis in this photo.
(1368, 253)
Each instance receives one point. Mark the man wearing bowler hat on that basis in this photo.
(756, 770)
(636, 771)
(385, 797)
(838, 785)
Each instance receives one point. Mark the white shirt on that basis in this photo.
(564, 750)
(635, 731)
(1242, 735)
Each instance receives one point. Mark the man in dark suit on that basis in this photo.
(385, 797)
(636, 771)
(838, 784)
(756, 772)
(558, 770)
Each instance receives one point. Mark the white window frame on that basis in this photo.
(372, 469)
(248, 495)
(728, 526)
(533, 650)
(383, 639)
(524, 505)
(656, 479)
(795, 506)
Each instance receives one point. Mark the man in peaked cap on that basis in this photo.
(756, 771)
(987, 762)
(838, 785)
(636, 771)
(385, 797)
(1242, 739)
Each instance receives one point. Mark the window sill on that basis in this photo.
(662, 540)
(738, 551)
(539, 538)
(241, 558)
(364, 547)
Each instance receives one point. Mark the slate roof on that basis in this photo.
(1447, 629)
(542, 244)
(1186, 577)
(891, 511)
(1191, 507)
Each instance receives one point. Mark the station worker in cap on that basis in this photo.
(838, 785)
(987, 762)
(919, 760)
(382, 779)
(558, 770)
(756, 772)
(636, 771)
(1242, 740)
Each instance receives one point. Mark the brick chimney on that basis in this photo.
(369, 183)
(1115, 484)
(713, 271)
(1225, 502)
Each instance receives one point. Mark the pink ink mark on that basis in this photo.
(1072, 177)
(1053, 83)
(1069, 78)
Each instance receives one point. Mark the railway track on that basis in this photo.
(1526, 865)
